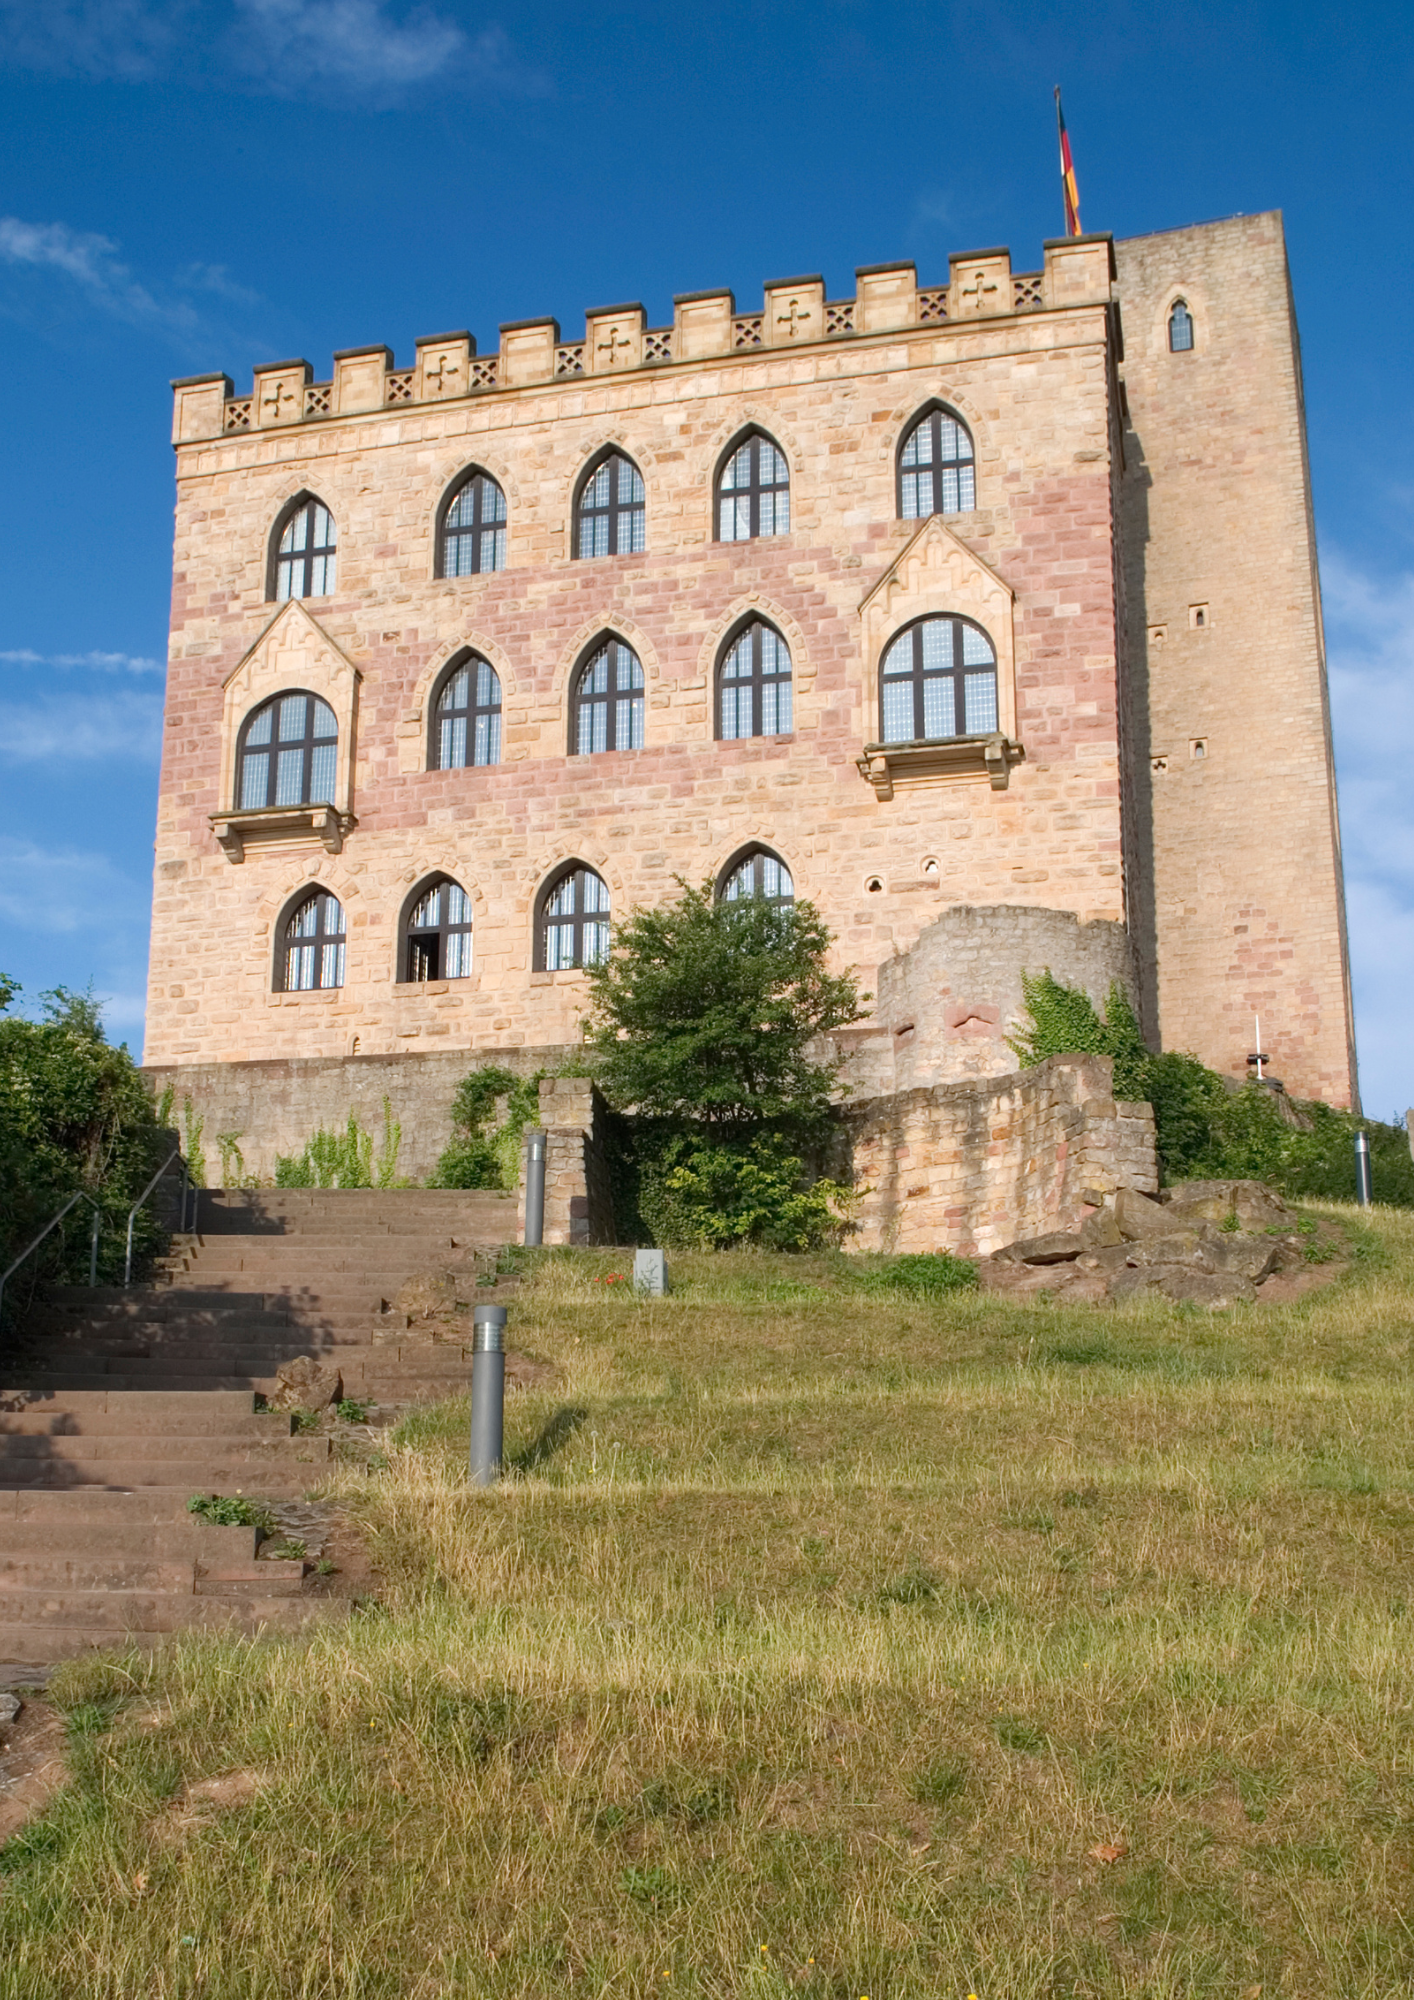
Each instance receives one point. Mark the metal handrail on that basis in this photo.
(175, 1154)
(53, 1223)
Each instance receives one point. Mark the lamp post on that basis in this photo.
(488, 1393)
(1363, 1192)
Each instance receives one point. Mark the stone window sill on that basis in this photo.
(325, 824)
(885, 765)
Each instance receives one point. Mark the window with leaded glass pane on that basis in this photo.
(474, 529)
(305, 553)
(608, 701)
(753, 492)
(609, 514)
(572, 929)
(939, 679)
(288, 754)
(312, 947)
(1180, 329)
(936, 468)
(438, 940)
(754, 685)
(466, 717)
(757, 874)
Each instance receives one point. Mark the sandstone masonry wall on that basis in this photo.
(579, 1205)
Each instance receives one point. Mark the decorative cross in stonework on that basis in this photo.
(281, 395)
(789, 319)
(615, 340)
(977, 289)
(445, 366)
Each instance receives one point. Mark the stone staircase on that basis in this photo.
(119, 1406)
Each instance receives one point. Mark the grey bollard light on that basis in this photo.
(488, 1393)
(1363, 1192)
(535, 1187)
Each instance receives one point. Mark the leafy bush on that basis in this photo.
(703, 1192)
(482, 1158)
(74, 1114)
(1211, 1127)
(929, 1276)
(345, 1159)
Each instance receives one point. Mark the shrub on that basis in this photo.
(709, 1193)
(482, 1158)
(345, 1159)
(931, 1275)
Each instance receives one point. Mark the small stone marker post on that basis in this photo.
(488, 1393)
(650, 1273)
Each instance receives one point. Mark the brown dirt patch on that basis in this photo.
(32, 1765)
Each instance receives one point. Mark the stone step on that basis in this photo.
(137, 1422)
(37, 1641)
(62, 1573)
(98, 1402)
(101, 1507)
(189, 1539)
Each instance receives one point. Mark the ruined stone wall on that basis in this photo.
(1027, 366)
(970, 1167)
(273, 1107)
(1235, 896)
(579, 1205)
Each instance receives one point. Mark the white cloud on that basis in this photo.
(64, 890)
(92, 263)
(126, 725)
(128, 39)
(351, 43)
(1370, 626)
(103, 663)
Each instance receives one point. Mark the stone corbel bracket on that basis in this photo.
(326, 824)
(884, 765)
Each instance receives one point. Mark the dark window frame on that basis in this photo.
(578, 919)
(616, 511)
(478, 476)
(316, 941)
(929, 414)
(610, 697)
(305, 557)
(757, 681)
(754, 491)
(308, 743)
(757, 853)
(957, 672)
(414, 939)
(1182, 306)
(468, 657)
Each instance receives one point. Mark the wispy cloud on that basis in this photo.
(121, 727)
(350, 43)
(1370, 620)
(58, 891)
(103, 663)
(128, 39)
(92, 263)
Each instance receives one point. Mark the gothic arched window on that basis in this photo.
(753, 491)
(472, 540)
(437, 934)
(466, 716)
(606, 710)
(287, 754)
(311, 948)
(572, 922)
(936, 467)
(303, 552)
(1180, 328)
(754, 685)
(939, 679)
(609, 511)
(756, 873)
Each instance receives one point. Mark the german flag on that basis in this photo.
(1071, 191)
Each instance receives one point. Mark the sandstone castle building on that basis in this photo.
(985, 615)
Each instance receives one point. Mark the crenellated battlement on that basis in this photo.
(888, 299)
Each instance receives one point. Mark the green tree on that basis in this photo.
(706, 1011)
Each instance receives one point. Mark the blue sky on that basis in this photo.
(200, 184)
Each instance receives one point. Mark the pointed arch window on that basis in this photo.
(754, 685)
(473, 537)
(305, 554)
(610, 511)
(311, 955)
(287, 754)
(939, 679)
(607, 707)
(757, 874)
(437, 935)
(466, 716)
(937, 471)
(572, 924)
(1180, 328)
(753, 491)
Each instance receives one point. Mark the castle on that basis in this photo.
(985, 615)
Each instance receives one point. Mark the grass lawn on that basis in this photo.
(822, 1641)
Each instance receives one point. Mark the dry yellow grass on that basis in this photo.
(814, 1645)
